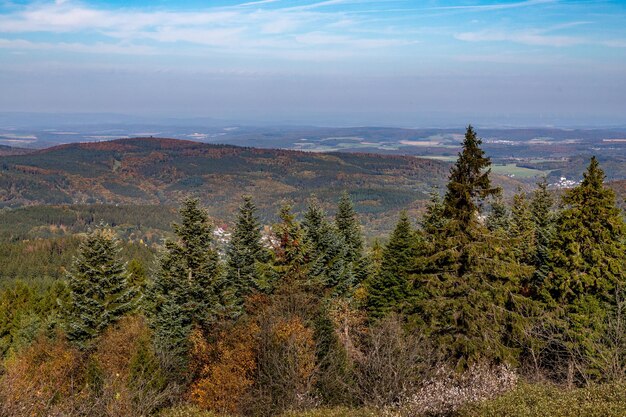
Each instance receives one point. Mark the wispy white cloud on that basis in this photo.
(497, 6)
(257, 3)
(321, 38)
(318, 29)
(526, 37)
(325, 3)
(66, 17)
(538, 37)
(95, 48)
(232, 29)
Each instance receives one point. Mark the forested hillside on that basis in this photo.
(157, 172)
(481, 306)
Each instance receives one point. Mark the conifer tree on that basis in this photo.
(522, 229)
(433, 221)
(469, 182)
(188, 287)
(100, 293)
(469, 280)
(138, 279)
(291, 252)
(543, 219)
(330, 266)
(376, 256)
(349, 228)
(587, 259)
(246, 253)
(388, 290)
(499, 219)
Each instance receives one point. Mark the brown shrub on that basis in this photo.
(225, 368)
(391, 362)
(131, 382)
(286, 365)
(43, 379)
(285, 374)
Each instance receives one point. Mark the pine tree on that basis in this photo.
(329, 266)
(291, 253)
(469, 278)
(246, 253)
(138, 279)
(376, 256)
(388, 290)
(543, 219)
(499, 219)
(433, 221)
(349, 227)
(522, 229)
(188, 287)
(100, 293)
(587, 259)
(469, 182)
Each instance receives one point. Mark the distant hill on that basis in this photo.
(155, 171)
(9, 150)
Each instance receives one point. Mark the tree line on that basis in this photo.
(306, 315)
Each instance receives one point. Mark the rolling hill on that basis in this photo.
(155, 171)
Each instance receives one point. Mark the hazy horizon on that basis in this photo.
(324, 63)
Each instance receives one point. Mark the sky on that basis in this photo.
(413, 63)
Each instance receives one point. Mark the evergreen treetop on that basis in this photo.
(588, 250)
(388, 290)
(468, 276)
(499, 219)
(291, 252)
(330, 265)
(246, 253)
(433, 220)
(522, 229)
(469, 181)
(188, 288)
(544, 222)
(100, 293)
(348, 225)
(587, 264)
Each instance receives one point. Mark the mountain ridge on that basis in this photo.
(162, 171)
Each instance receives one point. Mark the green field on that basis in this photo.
(518, 172)
(440, 157)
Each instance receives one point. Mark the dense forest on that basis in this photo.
(159, 171)
(484, 306)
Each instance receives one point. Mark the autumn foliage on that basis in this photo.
(225, 367)
(42, 380)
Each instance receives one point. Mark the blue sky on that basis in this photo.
(393, 62)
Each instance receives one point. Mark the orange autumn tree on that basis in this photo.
(43, 379)
(225, 367)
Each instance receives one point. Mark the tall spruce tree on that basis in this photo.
(469, 182)
(388, 290)
(522, 229)
(349, 228)
(434, 220)
(544, 221)
(290, 260)
(499, 218)
(470, 282)
(587, 260)
(100, 293)
(188, 287)
(246, 254)
(329, 260)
